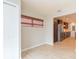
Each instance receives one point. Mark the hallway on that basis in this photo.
(62, 50)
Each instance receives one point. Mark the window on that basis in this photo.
(25, 21)
(31, 21)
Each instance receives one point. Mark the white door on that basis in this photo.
(11, 32)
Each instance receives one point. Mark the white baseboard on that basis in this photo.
(36, 46)
(32, 47)
(49, 43)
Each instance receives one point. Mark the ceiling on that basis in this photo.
(70, 18)
(47, 7)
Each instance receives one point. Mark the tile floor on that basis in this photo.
(61, 50)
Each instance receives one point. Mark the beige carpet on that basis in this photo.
(61, 50)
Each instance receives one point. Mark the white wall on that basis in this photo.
(49, 30)
(31, 37)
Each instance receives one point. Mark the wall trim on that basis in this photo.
(32, 47)
(49, 43)
(10, 3)
(36, 46)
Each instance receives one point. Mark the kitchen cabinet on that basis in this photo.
(66, 34)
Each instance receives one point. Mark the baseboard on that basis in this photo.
(49, 43)
(33, 47)
(36, 46)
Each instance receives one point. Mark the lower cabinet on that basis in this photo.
(65, 35)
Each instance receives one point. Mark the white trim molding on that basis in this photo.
(10, 3)
(36, 46)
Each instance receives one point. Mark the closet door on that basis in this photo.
(11, 31)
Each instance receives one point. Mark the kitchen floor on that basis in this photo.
(61, 50)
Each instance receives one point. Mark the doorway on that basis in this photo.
(67, 28)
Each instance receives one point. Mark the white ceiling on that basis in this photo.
(46, 7)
